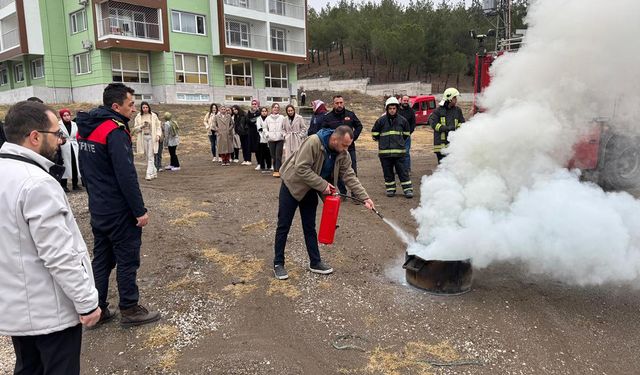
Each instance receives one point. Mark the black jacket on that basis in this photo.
(334, 119)
(444, 120)
(391, 133)
(409, 115)
(316, 123)
(254, 137)
(106, 163)
(3, 138)
(240, 125)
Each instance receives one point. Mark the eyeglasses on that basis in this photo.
(58, 134)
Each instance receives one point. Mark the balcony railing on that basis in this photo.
(113, 26)
(287, 46)
(247, 4)
(10, 39)
(247, 40)
(287, 9)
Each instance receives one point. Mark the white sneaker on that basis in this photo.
(271, 168)
(236, 160)
(258, 167)
(175, 168)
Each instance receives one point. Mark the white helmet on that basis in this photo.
(450, 93)
(392, 101)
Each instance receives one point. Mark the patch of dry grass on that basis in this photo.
(240, 289)
(160, 336)
(185, 283)
(411, 359)
(190, 219)
(169, 359)
(282, 287)
(259, 226)
(244, 268)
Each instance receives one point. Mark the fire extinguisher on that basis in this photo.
(329, 219)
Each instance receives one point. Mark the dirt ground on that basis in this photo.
(207, 266)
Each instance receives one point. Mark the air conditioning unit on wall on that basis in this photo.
(83, 2)
(86, 44)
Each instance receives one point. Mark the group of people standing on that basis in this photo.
(264, 132)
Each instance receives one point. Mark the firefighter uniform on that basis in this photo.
(443, 120)
(391, 133)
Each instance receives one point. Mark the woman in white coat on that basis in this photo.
(275, 124)
(69, 151)
(148, 130)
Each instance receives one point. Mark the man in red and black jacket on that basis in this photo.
(115, 201)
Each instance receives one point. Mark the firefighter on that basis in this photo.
(446, 118)
(391, 131)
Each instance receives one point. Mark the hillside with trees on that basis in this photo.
(389, 42)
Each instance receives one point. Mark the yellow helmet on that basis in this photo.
(450, 93)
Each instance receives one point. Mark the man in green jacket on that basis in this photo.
(321, 158)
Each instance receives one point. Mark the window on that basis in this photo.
(277, 99)
(37, 69)
(237, 33)
(191, 69)
(193, 97)
(130, 67)
(278, 42)
(275, 75)
(18, 71)
(238, 98)
(238, 3)
(78, 21)
(4, 76)
(143, 97)
(237, 73)
(276, 7)
(82, 63)
(187, 23)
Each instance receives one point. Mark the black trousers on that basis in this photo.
(354, 164)
(388, 166)
(440, 156)
(276, 154)
(56, 353)
(287, 206)
(116, 242)
(174, 156)
(246, 149)
(74, 172)
(264, 156)
(157, 158)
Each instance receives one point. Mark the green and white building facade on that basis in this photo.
(169, 51)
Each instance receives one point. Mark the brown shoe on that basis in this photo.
(276, 174)
(137, 315)
(106, 315)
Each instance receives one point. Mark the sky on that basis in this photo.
(318, 4)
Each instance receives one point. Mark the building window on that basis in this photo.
(82, 63)
(237, 73)
(143, 97)
(188, 23)
(130, 67)
(192, 97)
(238, 98)
(4, 76)
(18, 71)
(191, 69)
(275, 75)
(37, 69)
(237, 33)
(78, 21)
(238, 3)
(277, 99)
(276, 7)
(278, 39)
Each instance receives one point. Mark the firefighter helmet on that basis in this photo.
(450, 93)
(392, 101)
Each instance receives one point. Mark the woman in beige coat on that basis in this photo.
(294, 131)
(224, 130)
(148, 130)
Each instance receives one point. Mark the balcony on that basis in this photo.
(9, 40)
(286, 9)
(4, 3)
(293, 47)
(129, 22)
(247, 4)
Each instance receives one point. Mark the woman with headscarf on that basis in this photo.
(319, 110)
(69, 151)
(294, 130)
(148, 128)
(263, 155)
(275, 123)
(224, 130)
(172, 140)
(210, 124)
(252, 120)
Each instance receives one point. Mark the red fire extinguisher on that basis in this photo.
(329, 219)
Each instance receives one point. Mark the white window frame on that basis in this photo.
(178, 28)
(15, 72)
(269, 78)
(277, 7)
(4, 76)
(278, 42)
(242, 29)
(203, 68)
(139, 71)
(191, 97)
(238, 98)
(73, 21)
(229, 76)
(34, 68)
(77, 63)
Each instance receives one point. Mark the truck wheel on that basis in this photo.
(621, 169)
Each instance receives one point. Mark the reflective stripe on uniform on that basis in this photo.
(375, 133)
(406, 183)
(390, 132)
(393, 151)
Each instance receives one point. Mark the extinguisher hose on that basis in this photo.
(360, 201)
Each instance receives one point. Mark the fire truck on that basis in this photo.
(605, 156)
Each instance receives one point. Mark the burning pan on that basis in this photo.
(446, 277)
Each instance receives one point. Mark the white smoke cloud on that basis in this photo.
(502, 193)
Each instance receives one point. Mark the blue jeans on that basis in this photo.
(116, 241)
(286, 210)
(213, 139)
(407, 157)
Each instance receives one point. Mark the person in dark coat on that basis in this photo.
(446, 118)
(407, 112)
(252, 119)
(319, 111)
(242, 130)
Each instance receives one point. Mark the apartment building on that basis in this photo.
(169, 51)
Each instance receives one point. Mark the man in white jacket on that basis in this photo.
(46, 290)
